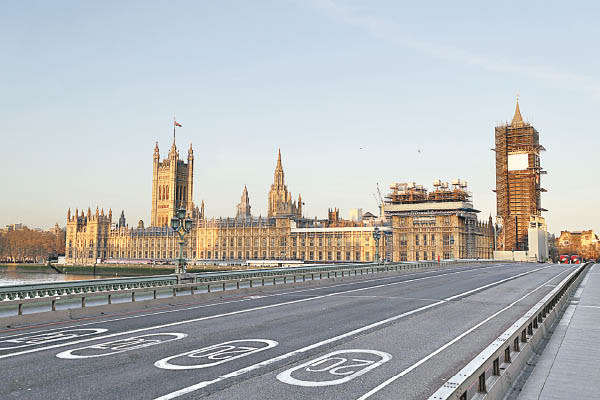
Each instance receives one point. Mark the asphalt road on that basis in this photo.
(382, 337)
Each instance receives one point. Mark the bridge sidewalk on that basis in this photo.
(568, 366)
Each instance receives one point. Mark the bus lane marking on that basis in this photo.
(342, 365)
(50, 337)
(120, 346)
(216, 354)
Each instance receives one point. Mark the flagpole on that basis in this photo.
(174, 119)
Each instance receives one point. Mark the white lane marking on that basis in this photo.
(120, 346)
(252, 309)
(450, 343)
(463, 269)
(38, 339)
(364, 328)
(343, 365)
(590, 306)
(218, 354)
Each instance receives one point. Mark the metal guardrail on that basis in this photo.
(490, 374)
(231, 280)
(30, 291)
(84, 286)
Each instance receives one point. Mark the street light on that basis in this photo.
(376, 237)
(182, 226)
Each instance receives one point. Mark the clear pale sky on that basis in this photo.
(349, 90)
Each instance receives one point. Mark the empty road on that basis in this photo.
(386, 336)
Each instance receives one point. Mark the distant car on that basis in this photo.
(564, 259)
(575, 259)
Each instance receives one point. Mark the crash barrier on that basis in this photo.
(51, 293)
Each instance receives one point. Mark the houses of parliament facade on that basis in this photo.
(284, 234)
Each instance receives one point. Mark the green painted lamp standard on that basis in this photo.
(376, 237)
(182, 226)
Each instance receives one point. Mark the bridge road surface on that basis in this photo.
(382, 337)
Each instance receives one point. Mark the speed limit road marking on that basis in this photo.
(334, 368)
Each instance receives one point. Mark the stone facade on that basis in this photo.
(280, 200)
(440, 225)
(283, 235)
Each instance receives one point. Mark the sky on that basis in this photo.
(354, 93)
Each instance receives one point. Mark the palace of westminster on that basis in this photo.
(415, 225)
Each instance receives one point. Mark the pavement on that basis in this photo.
(379, 337)
(568, 366)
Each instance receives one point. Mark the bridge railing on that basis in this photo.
(489, 374)
(204, 282)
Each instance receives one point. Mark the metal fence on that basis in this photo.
(202, 282)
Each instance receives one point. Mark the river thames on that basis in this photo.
(16, 275)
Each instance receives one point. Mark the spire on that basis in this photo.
(190, 152)
(156, 151)
(517, 119)
(245, 192)
(69, 214)
(279, 159)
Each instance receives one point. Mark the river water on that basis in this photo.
(14, 275)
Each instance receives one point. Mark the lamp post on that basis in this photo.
(376, 237)
(182, 226)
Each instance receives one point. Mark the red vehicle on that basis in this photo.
(575, 259)
(563, 259)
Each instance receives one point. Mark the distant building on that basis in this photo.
(172, 186)
(518, 186)
(243, 208)
(14, 227)
(283, 235)
(356, 214)
(280, 200)
(585, 243)
(441, 224)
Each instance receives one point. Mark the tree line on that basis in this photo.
(27, 245)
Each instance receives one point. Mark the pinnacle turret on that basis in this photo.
(517, 119)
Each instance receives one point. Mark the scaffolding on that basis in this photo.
(518, 187)
(410, 193)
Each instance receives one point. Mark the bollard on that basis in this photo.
(53, 305)
(237, 285)
(175, 292)
(132, 296)
(20, 311)
(110, 299)
(82, 301)
(223, 286)
(192, 290)
(154, 294)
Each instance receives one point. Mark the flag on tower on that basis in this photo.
(178, 124)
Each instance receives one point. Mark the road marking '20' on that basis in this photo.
(334, 368)
(216, 354)
(120, 346)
